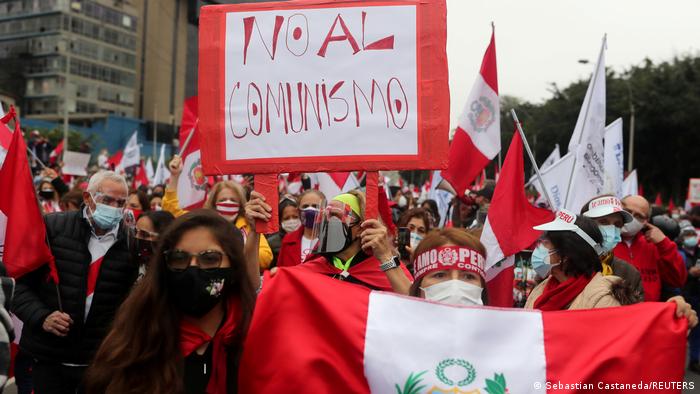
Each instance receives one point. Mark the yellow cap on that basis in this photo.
(350, 200)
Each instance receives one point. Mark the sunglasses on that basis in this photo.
(179, 260)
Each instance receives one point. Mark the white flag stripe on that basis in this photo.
(556, 180)
(488, 141)
(630, 186)
(132, 152)
(591, 118)
(445, 338)
(162, 173)
(614, 158)
(494, 254)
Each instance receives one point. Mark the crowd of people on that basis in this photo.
(153, 298)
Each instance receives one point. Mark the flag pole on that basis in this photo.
(189, 137)
(36, 158)
(532, 158)
(585, 118)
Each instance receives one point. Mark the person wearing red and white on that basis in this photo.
(226, 197)
(297, 245)
(649, 250)
(64, 323)
(449, 268)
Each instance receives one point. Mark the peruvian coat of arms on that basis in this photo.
(481, 114)
(457, 375)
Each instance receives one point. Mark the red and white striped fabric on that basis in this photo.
(98, 247)
(508, 228)
(344, 338)
(477, 139)
(56, 153)
(332, 184)
(192, 184)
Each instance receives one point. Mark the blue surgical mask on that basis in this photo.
(611, 236)
(540, 261)
(106, 217)
(415, 239)
(690, 242)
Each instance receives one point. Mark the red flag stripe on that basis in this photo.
(93, 273)
(466, 162)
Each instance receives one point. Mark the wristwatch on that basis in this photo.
(393, 262)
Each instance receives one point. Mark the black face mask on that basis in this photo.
(334, 237)
(143, 251)
(46, 195)
(195, 291)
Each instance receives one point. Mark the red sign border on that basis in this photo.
(433, 94)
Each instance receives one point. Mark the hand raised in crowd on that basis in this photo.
(257, 208)
(374, 236)
(49, 173)
(694, 271)
(57, 323)
(683, 309)
(653, 234)
(175, 166)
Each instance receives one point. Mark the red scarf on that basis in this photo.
(192, 337)
(366, 271)
(558, 295)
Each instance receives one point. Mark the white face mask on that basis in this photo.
(630, 230)
(291, 225)
(454, 291)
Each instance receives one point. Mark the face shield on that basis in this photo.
(333, 227)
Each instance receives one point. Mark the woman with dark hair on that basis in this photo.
(568, 257)
(181, 329)
(147, 230)
(137, 203)
(48, 197)
(418, 222)
(289, 222)
(432, 208)
(449, 268)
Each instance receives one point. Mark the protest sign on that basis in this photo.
(694, 190)
(75, 163)
(316, 86)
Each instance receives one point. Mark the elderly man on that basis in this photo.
(64, 324)
(647, 248)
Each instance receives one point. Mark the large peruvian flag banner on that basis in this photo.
(343, 338)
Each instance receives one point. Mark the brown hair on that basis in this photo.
(141, 353)
(419, 213)
(455, 236)
(311, 191)
(235, 187)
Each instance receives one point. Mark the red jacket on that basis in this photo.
(657, 263)
(290, 251)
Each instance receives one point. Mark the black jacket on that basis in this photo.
(35, 297)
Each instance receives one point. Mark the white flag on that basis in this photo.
(630, 187)
(614, 158)
(587, 180)
(132, 152)
(591, 118)
(551, 159)
(149, 170)
(162, 173)
(442, 197)
(556, 180)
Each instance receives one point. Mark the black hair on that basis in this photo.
(433, 207)
(160, 219)
(143, 199)
(286, 201)
(578, 257)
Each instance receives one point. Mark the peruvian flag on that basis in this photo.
(332, 184)
(348, 339)
(658, 201)
(5, 137)
(508, 228)
(115, 161)
(477, 139)
(192, 184)
(56, 153)
(22, 232)
(141, 177)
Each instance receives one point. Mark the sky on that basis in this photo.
(540, 42)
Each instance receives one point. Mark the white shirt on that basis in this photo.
(306, 247)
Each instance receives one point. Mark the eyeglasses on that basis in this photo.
(179, 260)
(107, 200)
(143, 234)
